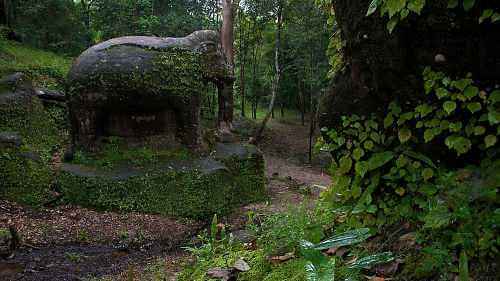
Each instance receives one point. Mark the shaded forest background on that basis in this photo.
(68, 27)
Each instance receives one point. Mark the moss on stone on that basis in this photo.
(24, 180)
(170, 72)
(25, 171)
(194, 188)
(5, 233)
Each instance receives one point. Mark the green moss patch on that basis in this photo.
(24, 168)
(171, 72)
(194, 188)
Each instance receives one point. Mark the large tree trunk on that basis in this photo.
(4, 12)
(277, 76)
(226, 100)
(381, 67)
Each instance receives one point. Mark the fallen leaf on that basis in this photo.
(241, 265)
(225, 274)
(283, 258)
(331, 251)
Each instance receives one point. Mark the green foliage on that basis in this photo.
(381, 178)
(116, 153)
(321, 268)
(398, 10)
(46, 69)
(25, 171)
(284, 231)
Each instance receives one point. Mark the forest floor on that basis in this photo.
(73, 243)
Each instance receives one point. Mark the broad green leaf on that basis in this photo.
(369, 145)
(452, 4)
(344, 239)
(442, 93)
(495, 17)
(437, 217)
(444, 125)
(400, 191)
(461, 84)
(311, 254)
(458, 143)
(428, 135)
(416, 5)
(403, 14)
(455, 127)
(428, 189)
(424, 110)
(494, 96)
(345, 165)
(358, 153)
(486, 15)
(463, 267)
(369, 261)
(427, 174)
(388, 121)
(420, 156)
(401, 161)
(311, 272)
(375, 137)
(490, 140)
(395, 108)
(449, 106)
(373, 7)
(474, 107)
(405, 117)
(361, 168)
(404, 135)
(395, 6)
(469, 4)
(392, 24)
(372, 209)
(479, 130)
(471, 91)
(494, 117)
(379, 159)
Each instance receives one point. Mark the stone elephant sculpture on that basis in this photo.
(137, 86)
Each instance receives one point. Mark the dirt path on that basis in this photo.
(72, 243)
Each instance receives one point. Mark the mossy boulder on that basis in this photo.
(27, 138)
(194, 188)
(143, 77)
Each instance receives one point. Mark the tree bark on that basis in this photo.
(226, 99)
(381, 67)
(242, 52)
(277, 77)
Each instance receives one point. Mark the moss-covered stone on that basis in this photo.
(195, 188)
(25, 173)
(146, 76)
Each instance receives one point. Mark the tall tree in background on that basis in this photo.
(277, 75)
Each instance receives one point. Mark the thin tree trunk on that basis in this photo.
(302, 103)
(312, 127)
(242, 53)
(275, 86)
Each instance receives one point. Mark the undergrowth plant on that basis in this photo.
(398, 169)
(398, 10)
